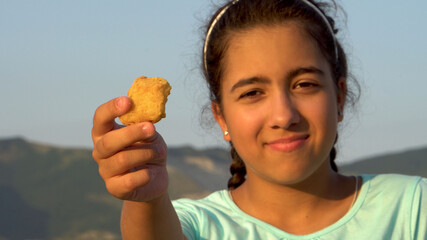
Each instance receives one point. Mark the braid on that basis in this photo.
(332, 156)
(237, 170)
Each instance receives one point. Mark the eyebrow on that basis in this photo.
(302, 70)
(264, 80)
(249, 81)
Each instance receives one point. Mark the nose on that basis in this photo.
(283, 112)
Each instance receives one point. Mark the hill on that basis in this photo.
(411, 162)
(49, 192)
(56, 193)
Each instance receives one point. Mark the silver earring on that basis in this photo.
(225, 133)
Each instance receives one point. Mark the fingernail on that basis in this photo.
(119, 102)
(148, 129)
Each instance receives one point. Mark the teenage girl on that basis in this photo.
(278, 85)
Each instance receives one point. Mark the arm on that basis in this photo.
(132, 163)
(156, 219)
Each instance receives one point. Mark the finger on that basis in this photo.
(103, 120)
(132, 159)
(123, 186)
(115, 141)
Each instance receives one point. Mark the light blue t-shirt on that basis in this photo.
(389, 206)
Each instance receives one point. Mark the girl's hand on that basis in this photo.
(131, 159)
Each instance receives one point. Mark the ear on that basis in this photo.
(219, 117)
(341, 96)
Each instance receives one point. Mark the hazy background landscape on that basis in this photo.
(51, 192)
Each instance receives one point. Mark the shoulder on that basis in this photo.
(204, 217)
(392, 183)
(394, 193)
(394, 202)
(218, 199)
(389, 192)
(199, 211)
(391, 177)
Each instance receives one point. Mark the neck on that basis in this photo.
(308, 192)
(313, 203)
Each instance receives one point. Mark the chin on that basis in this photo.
(297, 174)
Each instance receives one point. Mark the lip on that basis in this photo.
(288, 144)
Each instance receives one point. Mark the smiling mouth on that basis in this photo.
(288, 144)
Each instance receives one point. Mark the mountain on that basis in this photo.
(411, 162)
(49, 192)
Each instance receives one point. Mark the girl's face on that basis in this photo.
(279, 103)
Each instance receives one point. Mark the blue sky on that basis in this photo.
(61, 59)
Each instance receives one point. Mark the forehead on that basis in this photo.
(271, 50)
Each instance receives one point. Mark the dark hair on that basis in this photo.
(247, 14)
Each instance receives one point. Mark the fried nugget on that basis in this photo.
(149, 97)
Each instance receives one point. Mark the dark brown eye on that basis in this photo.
(251, 94)
(306, 85)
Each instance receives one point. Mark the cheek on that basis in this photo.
(323, 117)
(244, 124)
